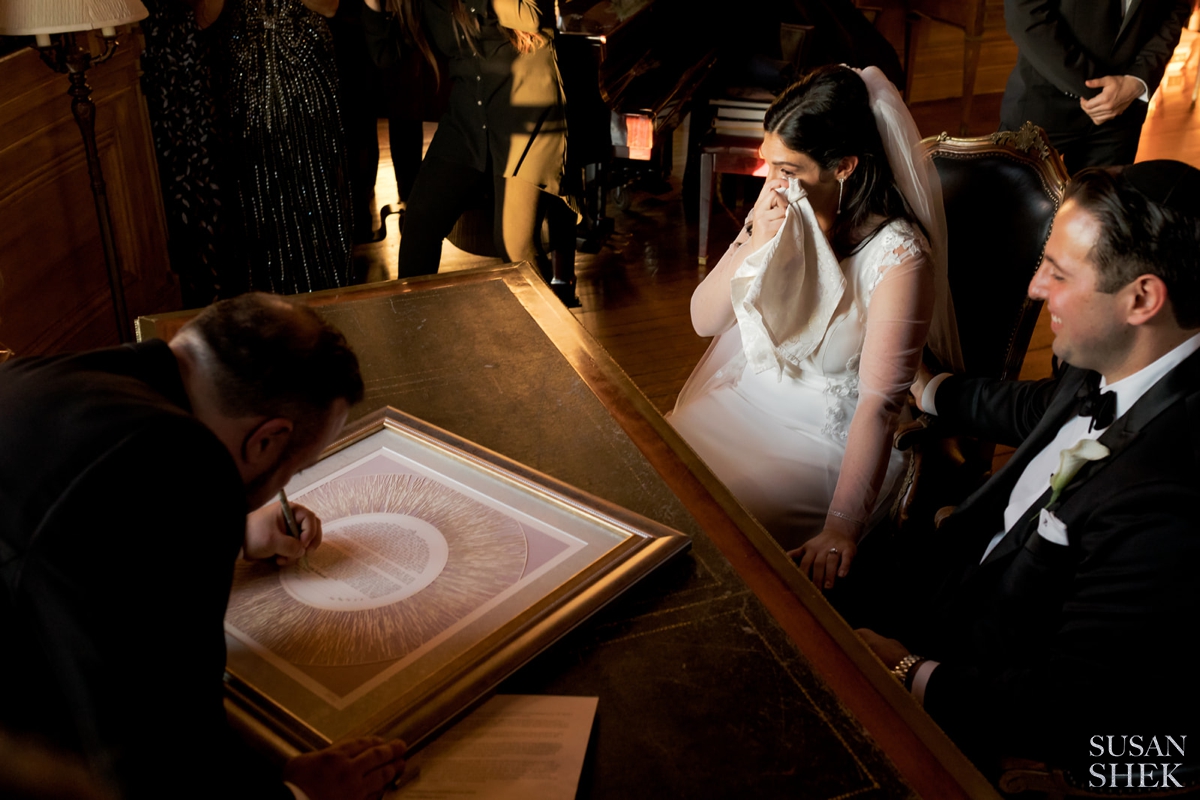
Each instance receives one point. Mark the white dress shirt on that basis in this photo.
(1035, 480)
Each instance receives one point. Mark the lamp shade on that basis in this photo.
(30, 17)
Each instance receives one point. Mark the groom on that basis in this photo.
(1053, 619)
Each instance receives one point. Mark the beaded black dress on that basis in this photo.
(286, 148)
(177, 82)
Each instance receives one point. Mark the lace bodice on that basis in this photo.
(862, 366)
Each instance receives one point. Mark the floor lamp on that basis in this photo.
(60, 29)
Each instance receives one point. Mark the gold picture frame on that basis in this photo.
(444, 568)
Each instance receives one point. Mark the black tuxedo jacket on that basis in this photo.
(1063, 43)
(121, 516)
(1043, 645)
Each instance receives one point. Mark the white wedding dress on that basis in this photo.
(814, 434)
(796, 401)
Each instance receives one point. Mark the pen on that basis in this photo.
(410, 774)
(293, 529)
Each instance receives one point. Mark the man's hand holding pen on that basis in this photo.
(267, 534)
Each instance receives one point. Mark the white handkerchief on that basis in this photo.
(786, 292)
(1051, 528)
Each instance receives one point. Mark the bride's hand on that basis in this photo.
(825, 557)
(769, 211)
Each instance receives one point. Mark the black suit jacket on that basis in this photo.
(1042, 645)
(121, 516)
(1063, 43)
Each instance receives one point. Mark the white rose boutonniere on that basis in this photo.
(1070, 461)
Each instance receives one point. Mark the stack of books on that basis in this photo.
(739, 117)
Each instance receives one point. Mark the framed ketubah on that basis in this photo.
(444, 567)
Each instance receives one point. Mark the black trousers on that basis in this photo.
(1082, 144)
(443, 190)
(1104, 145)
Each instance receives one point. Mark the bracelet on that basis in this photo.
(904, 670)
(911, 676)
(846, 517)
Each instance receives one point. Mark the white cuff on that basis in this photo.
(930, 390)
(1145, 95)
(296, 790)
(921, 679)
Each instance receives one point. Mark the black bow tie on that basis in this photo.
(1100, 406)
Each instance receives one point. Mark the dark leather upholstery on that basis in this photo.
(999, 210)
(1001, 193)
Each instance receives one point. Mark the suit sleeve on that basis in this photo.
(1037, 674)
(997, 411)
(1151, 61)
(1047, 42)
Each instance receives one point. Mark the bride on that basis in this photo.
(820, 309)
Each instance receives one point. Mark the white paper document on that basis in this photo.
(513, 746)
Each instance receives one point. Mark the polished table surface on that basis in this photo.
(724, 673)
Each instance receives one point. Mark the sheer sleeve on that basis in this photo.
(898, 319)
(712, 306)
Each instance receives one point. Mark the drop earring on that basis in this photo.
(841, 186)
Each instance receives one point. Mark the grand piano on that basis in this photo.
(633, 69)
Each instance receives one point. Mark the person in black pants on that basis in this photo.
(506, 120)
(1086, 70)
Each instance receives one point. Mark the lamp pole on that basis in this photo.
(66, 55)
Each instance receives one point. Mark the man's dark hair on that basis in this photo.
(272, 357)
(1139, 236)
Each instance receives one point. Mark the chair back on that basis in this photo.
(1001, 194)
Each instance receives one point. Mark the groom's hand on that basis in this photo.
(924, 376)
(889, 651)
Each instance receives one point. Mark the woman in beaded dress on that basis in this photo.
(820, 309)
(284, 144)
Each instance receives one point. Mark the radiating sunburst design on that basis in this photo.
(487, 555)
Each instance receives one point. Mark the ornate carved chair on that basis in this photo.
(1001, 194)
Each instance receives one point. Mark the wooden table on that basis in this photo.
(724, 674)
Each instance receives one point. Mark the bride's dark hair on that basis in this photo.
(826, 115)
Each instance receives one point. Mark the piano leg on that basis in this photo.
(707, 166)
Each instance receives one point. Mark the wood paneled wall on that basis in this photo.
(938, 48)
(54, 293)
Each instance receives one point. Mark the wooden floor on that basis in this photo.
(635, 292)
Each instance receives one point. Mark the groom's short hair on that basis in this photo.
(1149, 224)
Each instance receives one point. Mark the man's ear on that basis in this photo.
(1148, 298)
(264, 446)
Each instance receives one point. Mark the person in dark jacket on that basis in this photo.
(506, 124)
(130, 478)
(1063, 593)
(1086, 70)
